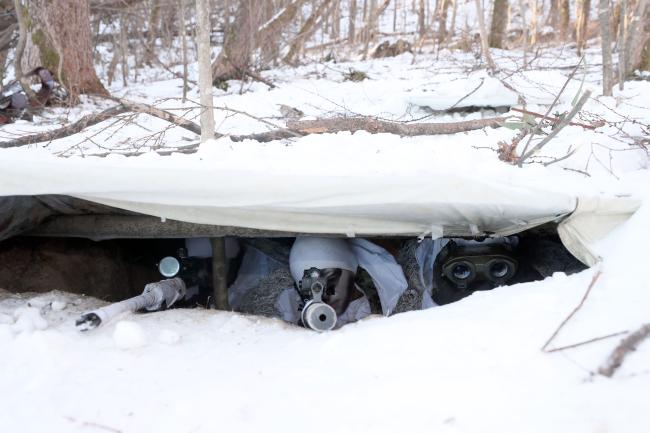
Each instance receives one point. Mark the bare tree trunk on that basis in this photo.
(452, 26)
(484, 39)
(564, 19)
(61, 31)
(442, 20)
(534, 16)
(620, 45)
(422, 28)
(239, 43)
(352, 21)
(638, 44)
(395, 16)
(606, 43)
(499, 22)
(205, 69)
(124, 49)
(553, 18)
(369, 28)
(524, 36)
(336, 20)
(582, 18)
(270, 31)
(183, 27)
(306, 31)
(152, 34)
(20, 50)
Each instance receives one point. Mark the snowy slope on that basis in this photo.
(472, 366)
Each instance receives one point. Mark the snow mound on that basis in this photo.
(128, 335)
(478, 90)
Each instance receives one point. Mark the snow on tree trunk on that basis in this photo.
(60, 29)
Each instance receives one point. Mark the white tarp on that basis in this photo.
(353, 204)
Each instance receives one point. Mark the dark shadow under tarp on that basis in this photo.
(19, 214)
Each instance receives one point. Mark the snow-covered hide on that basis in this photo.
(356, 199)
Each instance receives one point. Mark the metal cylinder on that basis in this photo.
(319, 316)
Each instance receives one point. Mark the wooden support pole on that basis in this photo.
(219, 273)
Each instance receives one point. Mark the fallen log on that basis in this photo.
(295, 128)
(375, 126)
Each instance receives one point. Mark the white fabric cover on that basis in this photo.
(353, 204)
(593, 219)
(368, 203)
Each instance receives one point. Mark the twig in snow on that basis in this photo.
(468, 95)
(573, 313)
(625, 347)
(93, 424)
(555, 119)
(582, 343)
(550, 108)
(564, 122)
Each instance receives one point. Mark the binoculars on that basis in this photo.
(464, 265)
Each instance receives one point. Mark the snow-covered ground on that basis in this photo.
(472, 366)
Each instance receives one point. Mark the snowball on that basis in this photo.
(6, 319)
(128, 335)
(58, 305)
(167, 336)
(28, 319)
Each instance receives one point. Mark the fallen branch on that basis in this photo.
(294, 129)
(375, 126)
(624, 348)
(573, 313)
(78, 126)
(139, 107)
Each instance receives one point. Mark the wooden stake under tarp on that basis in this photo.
(219, 273)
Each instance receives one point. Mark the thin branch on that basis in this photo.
(573, 313)
(554, 119)
(65, 131)
(583, 343)
(550, 108)
(564, 122)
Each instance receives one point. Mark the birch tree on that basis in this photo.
(205, 70)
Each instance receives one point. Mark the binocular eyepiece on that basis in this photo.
(496, 269)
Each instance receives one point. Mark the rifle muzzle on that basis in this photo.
(318, 316)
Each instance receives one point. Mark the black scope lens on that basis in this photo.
(461, 271)
(499, 269)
